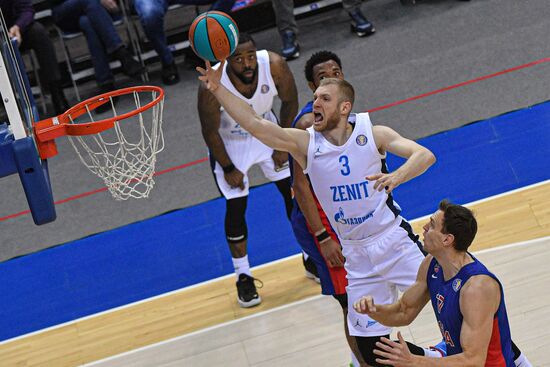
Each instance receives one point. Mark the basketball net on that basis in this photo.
(124, 157)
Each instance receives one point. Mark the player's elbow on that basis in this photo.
(425, 159)
(429, 156)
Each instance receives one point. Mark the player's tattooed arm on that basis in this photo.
(209, 115)
(286, 89)
(287, 92)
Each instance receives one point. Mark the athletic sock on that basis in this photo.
(305, 255)
(522, 361)
(241, 266)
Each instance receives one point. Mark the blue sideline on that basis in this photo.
(187, 246)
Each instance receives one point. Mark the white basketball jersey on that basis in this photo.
(261, 101)
(337, 173)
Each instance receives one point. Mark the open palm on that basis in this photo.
(211, 77)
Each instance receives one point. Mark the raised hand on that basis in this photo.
(385, 181)
(365, 305)
(211, 77)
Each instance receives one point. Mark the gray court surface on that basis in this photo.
(417, 49)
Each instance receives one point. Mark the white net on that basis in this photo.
(124, 157)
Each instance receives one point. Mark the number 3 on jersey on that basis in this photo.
(345, 165)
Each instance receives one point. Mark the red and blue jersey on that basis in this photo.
(445, 296)
(333, 280)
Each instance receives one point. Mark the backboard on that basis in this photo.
(18, 151)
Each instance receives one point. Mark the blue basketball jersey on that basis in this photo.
(445, 296)
(308, 108)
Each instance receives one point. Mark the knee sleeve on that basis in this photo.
(284, 188)
(235, 223)
(366, 346)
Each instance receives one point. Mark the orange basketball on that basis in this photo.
(213, 35)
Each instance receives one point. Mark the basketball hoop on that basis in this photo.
(122, 154)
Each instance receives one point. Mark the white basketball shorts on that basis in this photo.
(245, 153)
(379, 267)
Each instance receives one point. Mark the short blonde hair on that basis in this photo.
(346, 91)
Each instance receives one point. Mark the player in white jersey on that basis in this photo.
(256, 77)
(344, 162)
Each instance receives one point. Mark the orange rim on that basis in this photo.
(47, 130)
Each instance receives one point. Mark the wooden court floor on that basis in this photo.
(310, 333)
(516, 216)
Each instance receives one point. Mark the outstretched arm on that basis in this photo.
(419, 158)
(479, 300)
(293, 141)
(405, 310)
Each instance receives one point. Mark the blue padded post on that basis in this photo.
(34, 179)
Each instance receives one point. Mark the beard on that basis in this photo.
(332, 122)
(245, 79)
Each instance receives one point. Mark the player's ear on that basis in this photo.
(311, 86)
(449, 239)
(345, 107)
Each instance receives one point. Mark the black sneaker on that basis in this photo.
(291, 48)
(360, 25)
(170, 75)
(247, 296)
(311, 269)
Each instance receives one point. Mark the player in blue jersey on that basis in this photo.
(468, 300)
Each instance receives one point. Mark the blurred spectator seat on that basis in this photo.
(72, 60)
(31, 66)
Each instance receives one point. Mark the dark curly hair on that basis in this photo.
(246, 37)
(319, 58)
(460, 222)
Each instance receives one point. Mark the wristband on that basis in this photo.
(322, 237)
(230, 167)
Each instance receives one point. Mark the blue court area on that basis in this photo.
(187, 246)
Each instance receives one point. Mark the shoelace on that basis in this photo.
(258, 283)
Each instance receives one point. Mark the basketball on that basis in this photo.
(213, 35)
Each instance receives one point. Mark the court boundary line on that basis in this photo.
(279, 308)
(255, 268)
(383, 107)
